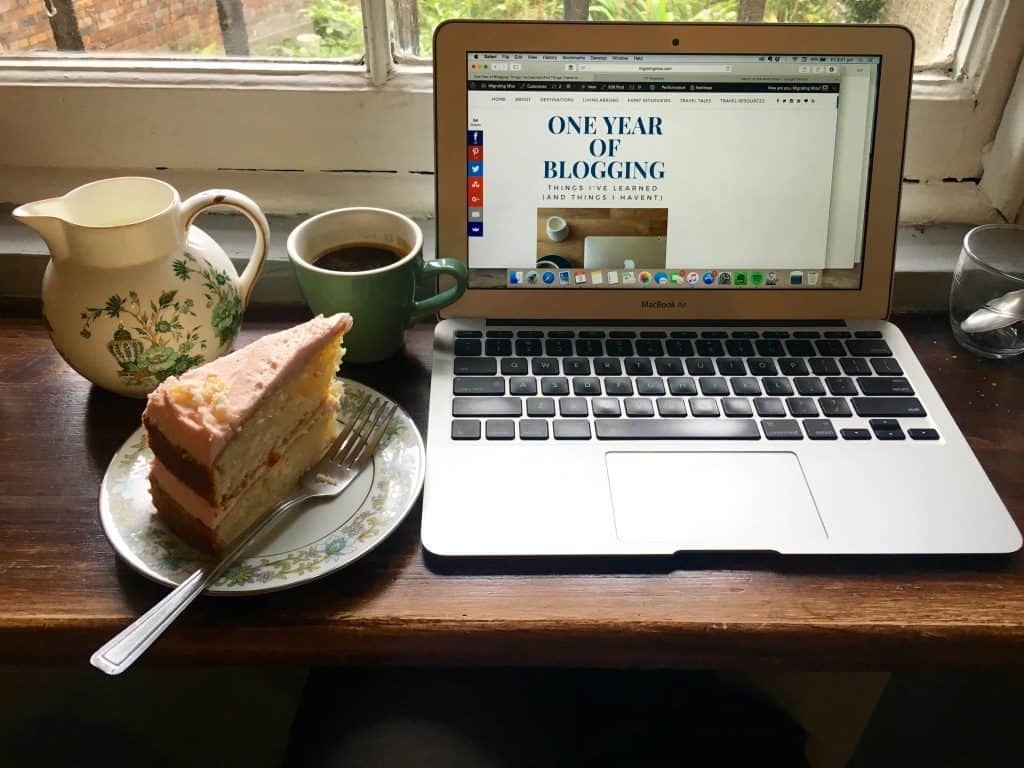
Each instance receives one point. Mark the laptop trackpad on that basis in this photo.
(713, 500)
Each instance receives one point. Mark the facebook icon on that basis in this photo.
(475, 138)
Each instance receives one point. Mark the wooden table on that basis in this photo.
(62, 591)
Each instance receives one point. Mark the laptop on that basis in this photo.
(745, 392)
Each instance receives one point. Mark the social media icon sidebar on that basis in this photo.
(475, 181)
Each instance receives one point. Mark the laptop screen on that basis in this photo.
(690, 172)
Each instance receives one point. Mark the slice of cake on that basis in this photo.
(232, 437)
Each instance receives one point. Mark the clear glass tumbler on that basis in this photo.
(986, 302)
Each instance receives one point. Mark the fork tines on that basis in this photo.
(364, 432)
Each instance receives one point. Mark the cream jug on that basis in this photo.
(133, 292)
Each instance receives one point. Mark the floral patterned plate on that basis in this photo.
(323, 536)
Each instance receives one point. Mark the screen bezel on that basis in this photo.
(894, 44)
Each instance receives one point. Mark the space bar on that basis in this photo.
(673, 429)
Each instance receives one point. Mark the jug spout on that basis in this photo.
(44, 216)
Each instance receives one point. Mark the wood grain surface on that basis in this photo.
(62, 591)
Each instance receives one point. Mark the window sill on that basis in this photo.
(925, 258)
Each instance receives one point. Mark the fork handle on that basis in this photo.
(121, 651)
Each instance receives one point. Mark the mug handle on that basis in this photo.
(196, 204)
(432, 304)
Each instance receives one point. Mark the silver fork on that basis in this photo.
(347, 456)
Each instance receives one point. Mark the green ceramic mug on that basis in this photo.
(382, 301)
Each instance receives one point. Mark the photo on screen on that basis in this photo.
(602, 238)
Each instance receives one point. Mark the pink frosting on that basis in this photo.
(201, 410)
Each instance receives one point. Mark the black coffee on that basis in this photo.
(359, 257)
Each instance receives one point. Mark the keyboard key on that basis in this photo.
(762, 366)
(653, 335)
(475, 366)
(682, 385)
(649, 348)
(739, 347)
(800, 348)
(776, 386)
(528, 347)
(769, 406)
(586, 385)
(819, 429)
(478, 385)
(638, 366)
(522, 385)
(558, 347)
(618, 347)
(731, 366)
(823, 366)
(607, 366)
(540, 406)
(573, 430)
(807, 335)
(834, 407)
(868, 348)
(500, 429)
(713, 385)
(868, 334)
(668, 366)
(923, 434)
(468, 347)
(781, 429)
(887, 429)
(809, 385)
(855, 433)
(886, 366)
(745, 385)
(679, 347)
(622, 335)
(554, 385)
(677, 429)
(837, 334)
(468, 334)
(704, 406)
(515, 366)
(673, 407)
(576, 366)
(841, 385)
(498, 347)
(604, 407)
(530, 334)
(801, 406)
(700, 366)
(775, 335)
(894, 386)
(855, 366)
(745, 334)
(591, 334)
(710, 348)
(736, 406)
(650, 385)
(829, 347)
(588, 347)
(639, 407)
(545, 366)
(561, 334)
(887, 406)
(499, 334)
(714, 334)
(487, 406)
(792, 366)
(573, 406)
(618, 385)
(769, 347)
(683, 334)
(465, 429)
(533, 429)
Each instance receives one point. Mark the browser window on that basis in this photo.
(589, 171)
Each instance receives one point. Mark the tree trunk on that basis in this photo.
(64, 25)
(233, 32)
(407, 26)
(576, 10)
(750, 11)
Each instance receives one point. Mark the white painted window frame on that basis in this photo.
(305, 135)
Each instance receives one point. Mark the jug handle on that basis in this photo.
(196, 204)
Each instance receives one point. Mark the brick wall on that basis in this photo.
(184, 26)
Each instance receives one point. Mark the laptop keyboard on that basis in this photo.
(680, 385)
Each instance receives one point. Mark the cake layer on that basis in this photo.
(178, 506)
(201, 411)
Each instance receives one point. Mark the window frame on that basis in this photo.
(263, 125)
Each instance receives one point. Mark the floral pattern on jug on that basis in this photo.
(134, 293)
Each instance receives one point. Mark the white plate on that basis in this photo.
(320, 537)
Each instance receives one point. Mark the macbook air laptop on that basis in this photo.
(746, 391)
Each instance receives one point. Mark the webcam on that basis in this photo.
(675, 41)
